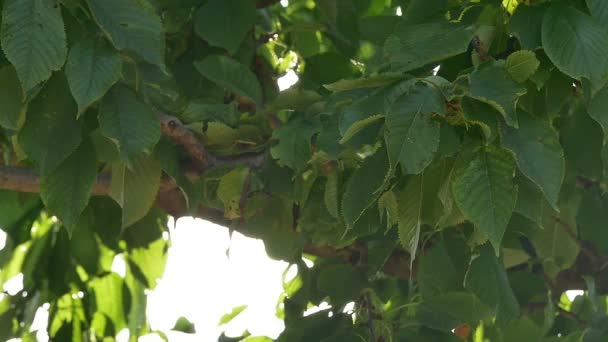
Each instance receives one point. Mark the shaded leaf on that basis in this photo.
(538, 153)
(483, 189)
(66, 190)
(412, 137)
(128, 122)
(33, 39)
(494, 86)
(225, 23)
(133, 26)
(231, 75)
(92, 69)
(135, 189)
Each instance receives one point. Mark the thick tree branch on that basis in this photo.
(173, 128)
(170, 199)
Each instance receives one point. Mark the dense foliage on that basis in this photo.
(442, 162)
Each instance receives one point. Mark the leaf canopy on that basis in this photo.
(443, 162)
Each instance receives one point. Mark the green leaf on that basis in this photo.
(294, 146)
(92, 69)
(33, 39)
(135, 188)
(128, 122)
(538, 153)
(598, 109)
(487, 278)
(230, 191)
(51, 133)
(526, 24)
(529, 199)
(410, 211)
(554, 244)
(598, 10)
(359, 126)
(148, 263)
(413, 46)
(83, 243)
(331, 196)
(575, 43)
(438, 272)
(493, 85)
(12, 106)
(364, 187)
(225, 23)
(521, 65)
(184, 325)
(447, 311)
(340, 282)
(365, 82)
(231, 75)
(66, 190)
(201, 111)
(227, 318)
(590, 218)
(412, 137)
(108, 295)
(484, 191)
(132, 26)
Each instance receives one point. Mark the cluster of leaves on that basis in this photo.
(467, 135)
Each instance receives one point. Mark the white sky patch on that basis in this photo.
(123, 335)
(398, 11)
(119, 266)
(290, 78)
(572, 294)
(39, 325)
(2, 239)
(202, 283)
(315, 309)
(436, 70)
(14, 285)
(284, 3)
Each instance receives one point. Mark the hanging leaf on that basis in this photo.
(562, 28)
(93, 68)
(51, 133)
(483, 189)
(12, 107)
(66, 190)
(225, 23)
(493, 85)
(410, 211)
(538, 154)
(364, 186)
(231, 75)
(412, 137)
(135, 188)
(128, 122)
(132, 26)
(414, 46)
(33, 39)
(487, 278)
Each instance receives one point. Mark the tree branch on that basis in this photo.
(171, 200)
(173, 128)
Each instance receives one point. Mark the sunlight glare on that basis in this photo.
(290, 78)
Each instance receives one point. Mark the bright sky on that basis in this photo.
(208, 274)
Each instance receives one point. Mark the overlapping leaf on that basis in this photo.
(33, 39)
(133, 26)
(484, 190)
(412, 137)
